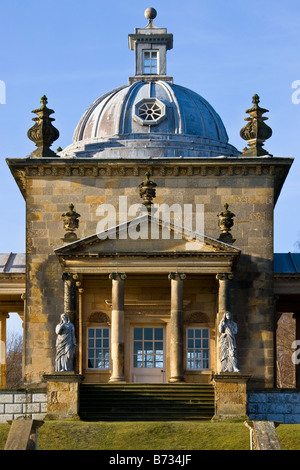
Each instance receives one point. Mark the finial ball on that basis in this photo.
(150, 13)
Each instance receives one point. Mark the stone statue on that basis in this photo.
(228, 329)
(65, 344)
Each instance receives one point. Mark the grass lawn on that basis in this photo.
(80, 435)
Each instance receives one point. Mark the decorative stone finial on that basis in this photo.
(256, 131)
(147, 191)
(43, 133)
(150, 14)
(71, 223)
(225, 224)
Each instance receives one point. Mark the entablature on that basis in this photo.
(264, 167)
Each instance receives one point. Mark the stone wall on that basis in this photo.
(15, 404)
(249, 186)
(275, 405)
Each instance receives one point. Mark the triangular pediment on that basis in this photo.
(145, 235)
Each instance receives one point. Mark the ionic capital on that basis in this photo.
(177, 276)
(224, 276)
(118, 276)
(70, 277)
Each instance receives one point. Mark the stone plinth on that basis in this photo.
(230, 396)
(62, 395)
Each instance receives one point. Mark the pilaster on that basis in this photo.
(3, 318)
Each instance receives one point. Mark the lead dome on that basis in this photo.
(151, 116)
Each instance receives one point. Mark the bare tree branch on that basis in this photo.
(14, 345)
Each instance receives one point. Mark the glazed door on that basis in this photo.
(148, 354)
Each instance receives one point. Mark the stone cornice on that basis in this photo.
(139, 262)
(274, 167)
(151, 254)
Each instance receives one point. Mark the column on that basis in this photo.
(70, 295)
(176, 342)
(224, 292)
(3, 317)
(224, 305)
(80, 329)
(117, 327)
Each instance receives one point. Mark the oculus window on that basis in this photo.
(149, 112)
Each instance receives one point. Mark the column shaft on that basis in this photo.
(80, 330)
(176, 327)
(117, 327)
(70, 296)
(224, 305)
(224, 293)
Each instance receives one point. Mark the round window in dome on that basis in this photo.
(149, 112)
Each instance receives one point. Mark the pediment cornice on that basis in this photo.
(94, 254)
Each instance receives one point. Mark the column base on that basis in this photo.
(230, 396)
(117, 380)
(176, 379)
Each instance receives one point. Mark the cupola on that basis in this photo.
(150, 45)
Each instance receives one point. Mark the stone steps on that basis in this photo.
(125, 402)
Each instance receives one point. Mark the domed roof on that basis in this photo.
(155, 111)
(183, 111)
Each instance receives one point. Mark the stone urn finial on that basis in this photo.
(256, 131)
(148, 191)
(43, 133)
(71, 223)
(225, 224)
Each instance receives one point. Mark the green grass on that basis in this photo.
(80, 435)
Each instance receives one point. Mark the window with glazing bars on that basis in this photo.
(148, 347)
(150, 62)
(198, 350)
(98, 348)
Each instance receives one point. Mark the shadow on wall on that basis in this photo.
(253, 310)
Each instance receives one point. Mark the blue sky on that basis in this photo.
(75, 51)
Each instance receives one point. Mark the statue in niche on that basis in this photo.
(228, 329)
(65, 344)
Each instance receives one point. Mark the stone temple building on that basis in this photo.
(145, 230)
